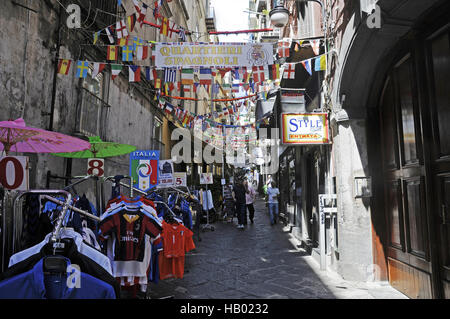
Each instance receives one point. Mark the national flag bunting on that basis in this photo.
(82, 69)
(289, 71)
(315, 45)
(164, 29)
(187, 76)
(134, 73)
(109, 31)
(98, 68)
(142, 52)
(170, 75)
(182, 34)
(321, 63)
(205, 76)
(258, 74)
(131, 22)
(284, 47)
(96, 36)
(121, 29)
(115, 70)
(127, 53)
(64, 66)
(307, 65)
(162, 104)
(122, 42)
(274, 71)
(157, 83)
(111, 53)
(169, 108)
(142, 14)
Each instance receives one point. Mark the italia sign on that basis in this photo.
(144, 169)
(305, 128)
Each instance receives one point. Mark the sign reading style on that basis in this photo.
(144, 169)
(14, 173)
(305, 128)
(182, 54)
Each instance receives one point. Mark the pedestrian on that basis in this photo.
(241, 208)
(272, 194)
(250, 195)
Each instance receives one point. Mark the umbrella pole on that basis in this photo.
(97, 198)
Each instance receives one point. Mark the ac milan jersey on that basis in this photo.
(130, 228)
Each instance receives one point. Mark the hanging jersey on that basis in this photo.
(130, 228)
(177, 240)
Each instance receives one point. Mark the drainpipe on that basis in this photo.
(55, 73)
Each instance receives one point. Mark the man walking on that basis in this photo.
(250, 195)
(239, 197)
(272, 194)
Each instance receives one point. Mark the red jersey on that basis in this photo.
(177, 240)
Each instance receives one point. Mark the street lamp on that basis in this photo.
(279, 15)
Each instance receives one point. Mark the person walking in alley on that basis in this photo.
(272, 199)
(239, 197)
(250, 195)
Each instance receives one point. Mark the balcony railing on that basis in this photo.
(92, 115)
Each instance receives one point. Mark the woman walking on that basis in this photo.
(250, 195)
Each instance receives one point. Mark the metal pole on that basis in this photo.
(323, 260)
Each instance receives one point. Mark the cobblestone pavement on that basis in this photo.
(259, 262)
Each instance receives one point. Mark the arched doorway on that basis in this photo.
(414, 133)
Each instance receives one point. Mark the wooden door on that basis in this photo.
(409, 262)
(438, 69)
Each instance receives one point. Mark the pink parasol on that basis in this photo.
(16, 137)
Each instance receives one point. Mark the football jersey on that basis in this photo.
(130, 227)
(177, 240)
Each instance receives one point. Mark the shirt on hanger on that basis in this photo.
(83, 248)
(33, 284)
(86, 264)
(177, 240)
(130, 228)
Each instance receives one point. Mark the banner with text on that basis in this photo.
(189, 55)
(305, 128)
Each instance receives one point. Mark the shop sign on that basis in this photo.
(180, 179)
(305, 128)
(166, 177)
(206, 178)
(292, 100)
(14, 173)
(173, 55)
(96, 167)
(144, 169)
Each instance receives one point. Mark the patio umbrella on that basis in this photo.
(16, 137)
(100, 149)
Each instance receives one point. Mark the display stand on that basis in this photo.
(207, 225)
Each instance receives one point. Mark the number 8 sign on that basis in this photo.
(96, 166)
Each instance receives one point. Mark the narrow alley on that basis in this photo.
(261, 261)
